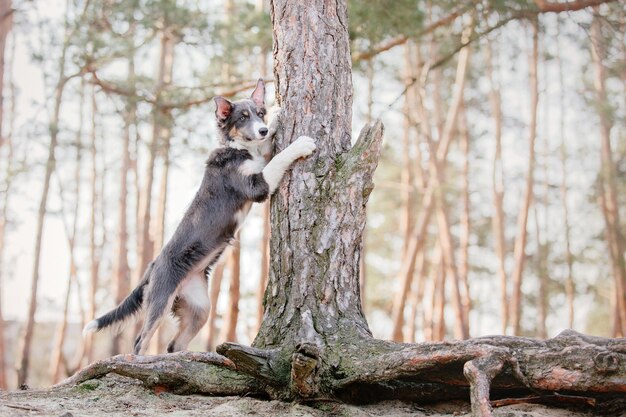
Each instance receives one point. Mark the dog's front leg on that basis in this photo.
(273, 120)
(276, 168)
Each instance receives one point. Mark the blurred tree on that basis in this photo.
(522, 219)
(62, 79)
(6, 138)
(608, 193)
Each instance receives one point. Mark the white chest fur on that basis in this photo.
(253, 166)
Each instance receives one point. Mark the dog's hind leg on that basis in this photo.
(192, 309)
(159, 301)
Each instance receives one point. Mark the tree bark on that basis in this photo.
(522, 219)
(608, 193)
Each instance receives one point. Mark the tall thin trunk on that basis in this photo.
(8, 185)
(498, 219)
(570, 290)
(522, 219)
(543, 255)
(464, 236)
(121, 269)
(461, 328)
(265, 260)
(229, 330)
(264, 245)
(216, 283)
(403, 290)
(439, 304)
(415, 298)
(6, 24)
(94, 261)
(430, 296)
(438, 162)
(27, 335)
(608, 192)
(145, 248)
(541, 274)
(56, 359)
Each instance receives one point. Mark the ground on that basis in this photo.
(115, 396)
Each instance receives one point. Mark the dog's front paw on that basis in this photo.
(303, 146)
(273, 119)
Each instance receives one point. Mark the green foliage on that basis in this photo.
(377, 19)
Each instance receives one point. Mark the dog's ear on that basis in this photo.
(258, 95)
(223, 108)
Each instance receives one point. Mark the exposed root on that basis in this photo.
(180, 373)
(570, 370)
(262, 364)
(304, 370)
(479, 372)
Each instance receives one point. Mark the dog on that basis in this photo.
(238, 173)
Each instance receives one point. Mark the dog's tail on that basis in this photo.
(126, 310)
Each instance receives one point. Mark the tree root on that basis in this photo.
(570, 370)
(180, 373)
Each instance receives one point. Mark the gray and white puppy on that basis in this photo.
(237, 174)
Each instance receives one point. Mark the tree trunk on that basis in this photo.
(464, 237)
(265, 261)
(121, 269)
(6, 24)
(570, 290)
(522, 219)
(406, 211)
(56, 359)
(229, 329)
(415, 299)
(437, 164)
(608, 193)
(8, 187)
(94, 261)
(498, 219)
(145, 244)
(27, 335)
(216, 283)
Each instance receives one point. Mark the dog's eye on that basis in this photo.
(261, 114)
(242, 118)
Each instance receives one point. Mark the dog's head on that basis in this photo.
(242, 122)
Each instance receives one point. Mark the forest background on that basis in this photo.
(107, 119)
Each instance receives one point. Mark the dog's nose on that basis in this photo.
(263, 131)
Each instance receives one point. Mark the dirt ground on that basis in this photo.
(115, 396)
